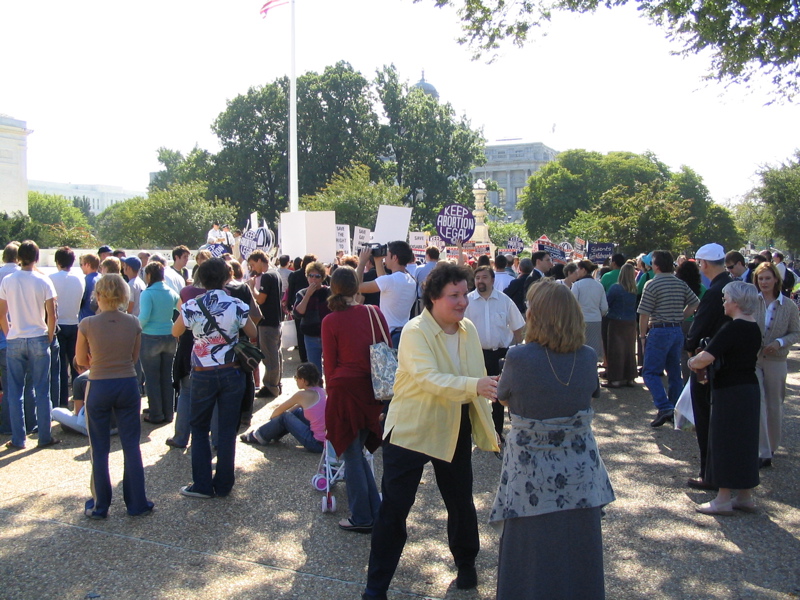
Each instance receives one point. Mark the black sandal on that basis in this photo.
(249, 438)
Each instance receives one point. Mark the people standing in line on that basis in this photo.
(180, 258)
(284, 271)
(542, 263)
(734, 421)
(69, 289)
(103, 252)
(28, 320)
(109, 342)
(90, 264)
(554, 484)
(297, 282)
(398, 290)
(516, 289)
(131, 267)
(708, 320)
(440, 405)
(311, 306)
(736, 265)
(352, 414)
(621, 340)
(666, 302)
(268, 294)
(217, 380)
(689, 272)
(502, 278)
(157, 304)
(499, 325)
(592, 299)
(570, 274)
(777, 316)
(9, 266)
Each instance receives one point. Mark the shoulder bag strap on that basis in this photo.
(211, 319)
(371, 324)
(380, 323)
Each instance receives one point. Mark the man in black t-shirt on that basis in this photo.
(267, 290)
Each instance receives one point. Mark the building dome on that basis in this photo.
(426, 87)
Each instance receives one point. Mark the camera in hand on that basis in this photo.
(377, 249)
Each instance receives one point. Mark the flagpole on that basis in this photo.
(293, 192)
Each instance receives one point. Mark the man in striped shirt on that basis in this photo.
(666, 302)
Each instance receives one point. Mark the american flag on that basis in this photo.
(270, 5)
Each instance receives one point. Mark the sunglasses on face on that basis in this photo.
(314, 275)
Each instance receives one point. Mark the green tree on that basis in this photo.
(52, 209)
(719, 225)
(84, 204)
(648, 217)
(429, 149)
(19, 227)
(780, 192)
(196, 166)
(575, 182)
(743, 38)
(354, 197)
(166, 218)
(336, 125)
(754, 220)
(499, 232)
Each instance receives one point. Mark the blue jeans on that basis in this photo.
(29, 356)
(55, 372)
(362, 493)
(183, 418)
(314, 351)
(222, 388)
(158, 352)
(120, 396)
(67, 338)
(663, 352)
(294, 422)
(5, 421)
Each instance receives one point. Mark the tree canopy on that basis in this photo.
(166, 218)
(744, 38)
(780, 193)
(631, 199)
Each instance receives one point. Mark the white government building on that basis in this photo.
(100, 196)
(13, 165)
(510, 163)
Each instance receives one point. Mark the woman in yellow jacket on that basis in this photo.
(441, 402)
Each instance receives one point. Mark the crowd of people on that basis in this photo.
(473, 338)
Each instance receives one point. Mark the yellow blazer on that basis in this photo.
(429, 391)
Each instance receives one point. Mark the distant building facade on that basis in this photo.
(510, 163)
(13, 165)
(100, 196)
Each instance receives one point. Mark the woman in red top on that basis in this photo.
(352, 414)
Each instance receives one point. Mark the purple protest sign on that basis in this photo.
(455, 223)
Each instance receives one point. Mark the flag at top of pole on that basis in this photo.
(272, 4)
(293, 183)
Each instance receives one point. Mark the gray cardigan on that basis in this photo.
(785, 325)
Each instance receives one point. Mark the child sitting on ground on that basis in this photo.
(302, 415)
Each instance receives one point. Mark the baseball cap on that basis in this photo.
(133, 262)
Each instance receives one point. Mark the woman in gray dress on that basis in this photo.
(553, 482)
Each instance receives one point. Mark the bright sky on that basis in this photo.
(104, 84)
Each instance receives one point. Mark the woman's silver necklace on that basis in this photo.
(574, 356)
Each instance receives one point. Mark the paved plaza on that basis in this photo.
(270, 540)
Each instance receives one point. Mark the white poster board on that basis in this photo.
(343, 238)
(306, 232)
(392, 224)
(361, 235)
(254, 220)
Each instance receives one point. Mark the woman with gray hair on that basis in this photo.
(731, 358)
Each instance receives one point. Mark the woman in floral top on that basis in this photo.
(216, 377)
(553, 482)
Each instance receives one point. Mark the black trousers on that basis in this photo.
(402, 471)
(701, 405)
(491, 360)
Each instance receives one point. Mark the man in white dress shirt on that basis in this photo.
(499, 324)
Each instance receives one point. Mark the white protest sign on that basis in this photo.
(361, 236)
(253, 220)
(392, 224)
(342, 237)
(306, 232)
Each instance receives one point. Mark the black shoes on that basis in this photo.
(764, 463)
(662, 417)
(467, 577)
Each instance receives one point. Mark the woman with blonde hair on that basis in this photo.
(777, 316)
(553, 484)
(108, 343)
(621, 343)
